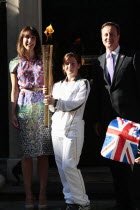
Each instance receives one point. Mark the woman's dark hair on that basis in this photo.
(20, 47)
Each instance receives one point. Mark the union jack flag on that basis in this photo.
(121, 141)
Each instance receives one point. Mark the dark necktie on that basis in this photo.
(110, 66)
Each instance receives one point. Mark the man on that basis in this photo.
(121, 93)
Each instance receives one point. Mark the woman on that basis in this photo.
(68, 101)
(28, 112)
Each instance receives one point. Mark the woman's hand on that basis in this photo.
(14, 121)
(48, 100)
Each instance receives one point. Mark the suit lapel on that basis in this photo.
(118, 65)
(120, 59)
(102, 63)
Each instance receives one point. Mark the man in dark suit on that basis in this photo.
(121, 98)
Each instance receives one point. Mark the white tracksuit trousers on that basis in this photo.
(67, 154)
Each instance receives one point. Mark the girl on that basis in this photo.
(68, 102)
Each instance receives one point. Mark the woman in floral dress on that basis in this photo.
(28, 112)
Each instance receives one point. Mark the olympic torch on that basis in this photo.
(47, 52)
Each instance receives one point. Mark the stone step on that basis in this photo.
(98, 182)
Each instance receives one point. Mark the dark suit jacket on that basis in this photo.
(122, 97)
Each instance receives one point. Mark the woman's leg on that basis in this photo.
(43, 165)
(27, 170)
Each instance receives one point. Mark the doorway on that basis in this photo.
(4, 119)
(77, 28)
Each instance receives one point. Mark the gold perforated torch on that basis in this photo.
(47, 52)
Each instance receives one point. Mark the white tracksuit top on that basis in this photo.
(67, 119)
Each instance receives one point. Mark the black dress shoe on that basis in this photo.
(121, 208)
(71, 207)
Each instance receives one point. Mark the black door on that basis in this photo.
(77, 28)
(4, 124)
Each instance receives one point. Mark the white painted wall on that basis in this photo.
(20, 13)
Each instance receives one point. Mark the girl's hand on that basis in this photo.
(48, 100)
(14, 121)
(45, 91)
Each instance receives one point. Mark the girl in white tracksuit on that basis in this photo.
(68, 102)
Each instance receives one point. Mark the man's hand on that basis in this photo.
(137, 160)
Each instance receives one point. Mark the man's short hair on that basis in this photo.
(111, 24)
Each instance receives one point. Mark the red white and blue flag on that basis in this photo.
(121, 141)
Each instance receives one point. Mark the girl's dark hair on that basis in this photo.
(71, 54)
(111, 24)
(20, 47)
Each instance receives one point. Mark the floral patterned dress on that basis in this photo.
(35, 139)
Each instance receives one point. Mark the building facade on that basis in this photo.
(77, 27)
(14, 15)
